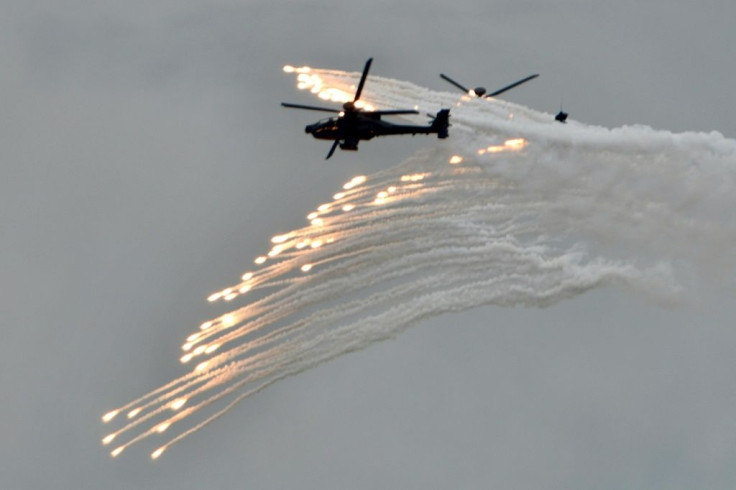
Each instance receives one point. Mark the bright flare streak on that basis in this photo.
(313, 215)
(115, 452)
(274, 251)
(334, 94)
(110, 415)
(199, 350)
(391, 189)
(134, 412)
(202, 366)
(178, 403)
(245, 289)
(339, 195)
(228, 320)
(260, 260)
(214, 297)
(455, 159)
(413, 177)
(348, 207)
(515, 144)
(108, 439)
(231, 296)
(187, 346)
(289, 69)
(279, 238)
(382, 195)
(509, 145)
(301, 245)
(186, 358)
(205, 325)
(193, 337)
(306, 267)
(317, 222)
(247, 276)
(323, 207)
(356, 181)
(212, 348)
(158, 452)
(160, 428)
(316, 244)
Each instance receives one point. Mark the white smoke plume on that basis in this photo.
(513, 209)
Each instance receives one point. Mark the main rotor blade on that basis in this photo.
(515, 84)
(362, 79)
(392, 112)
(445, 77)
(310, 108)
(332, 150)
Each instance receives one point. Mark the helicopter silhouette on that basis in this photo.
(480, 92)
(353, 124)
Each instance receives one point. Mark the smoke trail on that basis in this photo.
(513, 209)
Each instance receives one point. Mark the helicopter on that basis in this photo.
(354, 124)
(480, 92)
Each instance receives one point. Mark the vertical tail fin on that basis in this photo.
(441, 123)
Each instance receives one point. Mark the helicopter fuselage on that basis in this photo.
(362, 127)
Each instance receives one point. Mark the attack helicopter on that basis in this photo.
(480, 92)
(354, 124)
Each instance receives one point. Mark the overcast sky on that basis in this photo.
(145, 161)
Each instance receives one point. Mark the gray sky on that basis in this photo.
(145, 162)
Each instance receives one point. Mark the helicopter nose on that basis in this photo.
(479, 91)
(310, 128)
